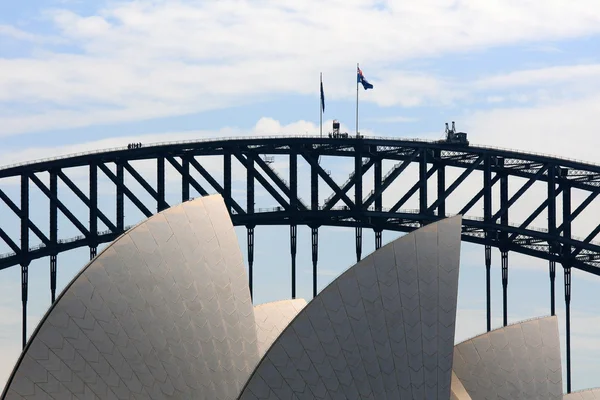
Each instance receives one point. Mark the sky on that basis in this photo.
(80, 75)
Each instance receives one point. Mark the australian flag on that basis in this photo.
(361, 79)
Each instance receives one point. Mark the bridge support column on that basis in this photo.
(314, 234)
(93, 252)
(120, 205)
(552, 231)
(160, 184)
(250, 257)
(568, 323)
(566, 256)
(54, 228)
(358, 240)
(24, 250)
(53, 278)
(423, 184)
(24, 295)
(185, 179)
(504, 255)
(293, 237)
(552, 288)
(378, 239)
(488, 285)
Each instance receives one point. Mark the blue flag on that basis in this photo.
(322, 97)
(361, 79)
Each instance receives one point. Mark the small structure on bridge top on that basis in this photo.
(336, 134)
(455, 137)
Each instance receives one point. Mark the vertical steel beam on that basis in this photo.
(227, 179)
(552, 232)
(423, 183)
(504, 243)
(160, 183)
(120, 199)
(487, 213)
(378, 199)
(250, 210)
(378, 239)
(293, 236)
(53, 264)
(185, 178)
(314, 235)
(358, 180)
(566, 257)
(441, 185)
(568, 323)
(358, 242)
(24, 251)
(314, 230)
(314, 189)
(53, 232)
(488, 285)
(250, 230)
(93, 209)
(294, 209)
(504, 255)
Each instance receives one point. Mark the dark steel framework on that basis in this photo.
(359, 210)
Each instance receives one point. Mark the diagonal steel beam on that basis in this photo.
(579, 209)
(389, 179)
(17, 211)
(276, 179)
(194, 163)
(211, 181)
(519, 193)
(193, 182)
(477, 197)
(71, 185)
(412, 190)
(110, 175)
(10, 242)
(65, 210)
(352, 182)
(325, 176)
(536, 213)
(456, 183)
(265, 184)
(140, 179)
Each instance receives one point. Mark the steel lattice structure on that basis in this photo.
(360, 209)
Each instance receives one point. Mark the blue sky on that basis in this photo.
(81, 75)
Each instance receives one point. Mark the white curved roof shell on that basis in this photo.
(383, 329)
(163, 312)
(590, 394)
(520, 361)
(272, 318)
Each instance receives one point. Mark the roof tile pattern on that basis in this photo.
(272, 318)
(163, 313)
(590, 394)
(520, 361)
(383, 330)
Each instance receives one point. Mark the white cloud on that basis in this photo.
(566, 128)
(150, 59)
(21, 35)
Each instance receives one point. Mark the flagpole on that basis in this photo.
(321, 109)
(357, 99)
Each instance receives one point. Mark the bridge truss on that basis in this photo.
(350, 204)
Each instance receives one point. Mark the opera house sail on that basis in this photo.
(165, 312)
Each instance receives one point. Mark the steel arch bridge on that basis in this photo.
(359, 208)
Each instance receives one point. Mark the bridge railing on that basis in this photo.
(262, 137)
